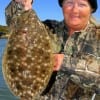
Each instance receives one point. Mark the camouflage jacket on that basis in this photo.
(79, 76)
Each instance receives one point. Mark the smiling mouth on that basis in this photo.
(74, 16)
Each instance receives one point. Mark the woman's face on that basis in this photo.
(76, 13)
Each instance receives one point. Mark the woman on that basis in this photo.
(77, 61)
(79, 39)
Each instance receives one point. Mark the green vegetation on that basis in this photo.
(4, 31)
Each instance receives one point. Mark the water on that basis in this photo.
(5, 93)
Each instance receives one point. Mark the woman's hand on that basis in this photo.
(27, 4)
(18, 0)
(58, 59)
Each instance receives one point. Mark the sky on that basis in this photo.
(45, 9)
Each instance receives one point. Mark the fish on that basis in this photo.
(28, 61)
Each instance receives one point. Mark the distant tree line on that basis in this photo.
(3, 31)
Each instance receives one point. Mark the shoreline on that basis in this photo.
(4, 36)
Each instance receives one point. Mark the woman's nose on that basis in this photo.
(75, 7)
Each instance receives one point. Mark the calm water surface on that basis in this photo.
(5, 93)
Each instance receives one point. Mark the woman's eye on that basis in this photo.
(82, 5)
(68, 3)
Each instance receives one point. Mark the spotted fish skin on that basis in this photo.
(28, 57)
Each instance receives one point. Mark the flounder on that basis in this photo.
(28, 57)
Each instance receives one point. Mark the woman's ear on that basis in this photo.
(92, 10)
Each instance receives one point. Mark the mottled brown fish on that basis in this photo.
(28, 57)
